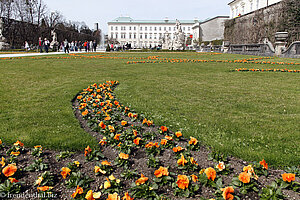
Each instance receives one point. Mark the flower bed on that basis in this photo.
(266, 70)
(136, 159)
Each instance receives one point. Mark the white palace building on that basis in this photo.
(143, 33)
(242, 7)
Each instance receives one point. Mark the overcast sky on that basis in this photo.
(102, 11)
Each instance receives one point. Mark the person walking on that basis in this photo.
(94, 45)
(40, 45)
(66, 45)
(46, 45)
(26, 46)
(85, 46)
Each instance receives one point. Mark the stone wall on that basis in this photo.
(213, 29)
(17, 32)
(264, 23)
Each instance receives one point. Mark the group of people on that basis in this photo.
(117, 47)
(44, 45)
(88, 46)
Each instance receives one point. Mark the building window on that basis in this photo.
(112, 35)
(170, 29)
(141, 36)
(174, 28)
(134, 36)
(146, 28)
(165, 28)
(130, 28)
(150, 28)
(116, 35)
(116, 28)
(154, 28)
(183, 28)
(129, 35)
(112, 28)
(141, 28)
(189, 28)
(150, 36)
(160, 36)
(145, 36)
(154, 36)
(159, 28)
(134, 28)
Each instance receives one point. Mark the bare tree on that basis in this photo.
(6, 8)
(55, 18)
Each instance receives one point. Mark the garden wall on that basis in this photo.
(253, 27)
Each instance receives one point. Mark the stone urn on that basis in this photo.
(280, 43)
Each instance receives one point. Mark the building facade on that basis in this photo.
(144, 33)
(242, 7)
(209, 30)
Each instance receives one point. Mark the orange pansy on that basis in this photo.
(194, 178)
(193, 141)
(193, 161)
(177, 149)
(89, 195)
(162, 171)
(123, 156)
(141, 180)
(9, 170)
(164, 142)
(13, 180)
(127, 197)
(245, 177)
(65, 171)
(210, 173)
(117, 137)
(288, 177)
(79, 190)
(182, 181)
(2, 163)
(111, 128)
(18, 143)
(113, 196)
(123, 123)
(87, 150)
(105, 162)
(15, 153)
(169, 138)
(178, 134)
(227, 193)
(164, 129)
(220, 166)
(102, 125)
(137, 140)
(44, 188)
(264, 164)
(182, 160)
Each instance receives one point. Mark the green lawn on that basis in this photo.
(251, 115)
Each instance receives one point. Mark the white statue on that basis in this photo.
(54, 39)
(178, 41)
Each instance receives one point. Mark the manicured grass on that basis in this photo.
(252, 115)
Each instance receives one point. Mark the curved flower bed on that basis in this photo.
(136, 159)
